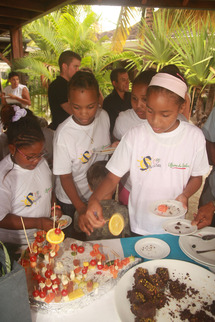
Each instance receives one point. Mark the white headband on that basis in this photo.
(169, 82)
(19, 112)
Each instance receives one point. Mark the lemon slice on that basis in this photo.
(116, 224)
(54, 238)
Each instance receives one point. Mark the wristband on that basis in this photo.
(56, 206)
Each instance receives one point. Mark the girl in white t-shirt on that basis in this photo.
(166, 158)
(130, 118)
(25, 178)
(75, 140)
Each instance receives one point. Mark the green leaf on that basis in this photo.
(7, 259)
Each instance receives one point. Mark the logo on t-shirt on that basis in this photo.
(147, 163)
(31, 198)
(181, 166)
(85, 157)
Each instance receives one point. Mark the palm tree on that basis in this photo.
(195, 45)
(59, 31)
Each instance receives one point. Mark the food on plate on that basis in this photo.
(177, 289)
(162, 208)
(70, 270)
(152, 292)
(116, 224)
(55, 236)
(62, 222)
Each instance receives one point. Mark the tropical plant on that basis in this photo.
(156, 49)
(59, 31)
(195, 45)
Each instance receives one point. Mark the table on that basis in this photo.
(104, 309)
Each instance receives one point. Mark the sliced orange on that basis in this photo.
(116, 224)
(54, 238)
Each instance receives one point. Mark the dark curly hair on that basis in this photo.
(24, 132)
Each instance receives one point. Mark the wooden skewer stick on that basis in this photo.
(26, 235)
(54, 216)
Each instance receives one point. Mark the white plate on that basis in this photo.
(175, 208)
(179, 227)
(193, 275)
(65, 217)
(186, 243)
(152, 248)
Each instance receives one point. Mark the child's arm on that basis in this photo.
(14, 222)
(93, 217)
(192, 186)
(204, 216)
(70, 189)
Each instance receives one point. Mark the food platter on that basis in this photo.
(194, 276)
(152, 248)
(179, 227)
(174, 208)
(64, 221)
(190, 244)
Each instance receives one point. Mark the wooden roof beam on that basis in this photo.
(11, 22)
(24, 5)
(14, 13)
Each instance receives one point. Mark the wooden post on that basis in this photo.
(17, 43)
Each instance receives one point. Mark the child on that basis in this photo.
(166, 159)
(25, 178)
(75, 140)
(95, 174)
(130, 118)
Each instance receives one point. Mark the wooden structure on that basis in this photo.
(16, 13)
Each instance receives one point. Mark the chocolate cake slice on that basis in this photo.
(177, 289)
(145, 310)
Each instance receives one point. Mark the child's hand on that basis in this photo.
(58, 212)
(92, 219)
(183, 199)
(204, 216)
(44, 223)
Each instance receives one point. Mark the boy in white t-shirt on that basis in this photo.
(166, 159)
(75, 140)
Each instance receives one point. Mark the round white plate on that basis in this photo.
(179, 227)
(187, 244)
(152, 248)
(175, 208)
(65, 217)
(193, 275)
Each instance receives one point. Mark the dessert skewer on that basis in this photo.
(23, 225)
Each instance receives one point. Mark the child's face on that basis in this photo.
(138, 99)
(28, 157)
(162, 112)
(84, 104)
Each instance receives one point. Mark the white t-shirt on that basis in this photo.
(124, 122)
(15, 91)
(73, 152)
(25, 193)
(160, 166)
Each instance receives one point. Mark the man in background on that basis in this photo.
(120, 98)
(69, 63)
